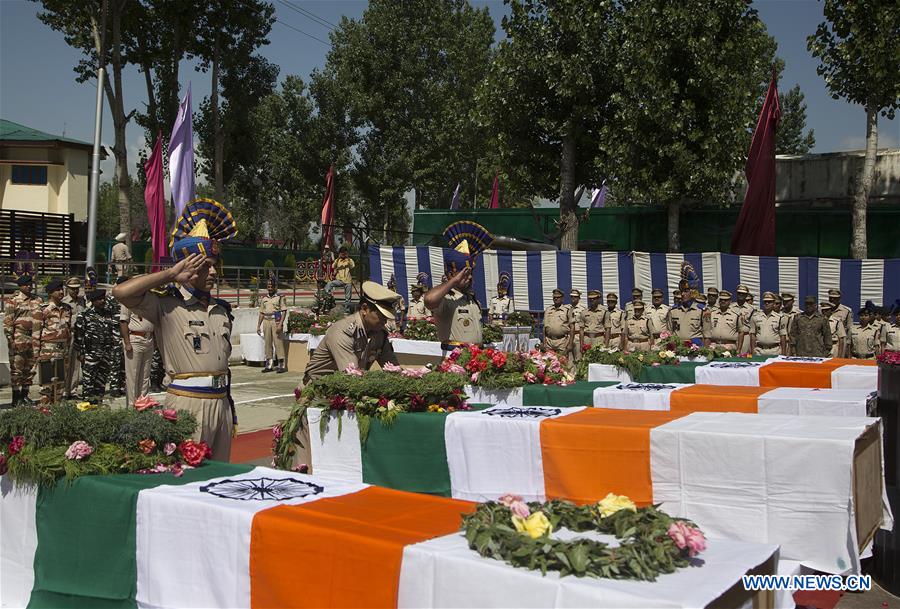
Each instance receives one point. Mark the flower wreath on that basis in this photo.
(518, 533)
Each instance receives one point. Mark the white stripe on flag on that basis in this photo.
(491, 274)
(436, 257)
(332, 455)
(712, 272)
(609, 270)
(173, 523)
(673, 273)
(643, 279)
(829, 277)
(412, 270)
(789, 276)
(18, 542)
(749, 274)
(511, 447)
(387, 263)
(579, 274)
(871, 286)
(520, 280)
(548, 276)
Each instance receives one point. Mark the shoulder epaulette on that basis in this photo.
(166, 290)
(223, 303)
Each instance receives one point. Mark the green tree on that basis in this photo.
(790, 137)
(549, 94)
(859, 52)
(407, 73)
(693, 78)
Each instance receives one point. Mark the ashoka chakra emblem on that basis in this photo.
(523, 413)
(262, 489)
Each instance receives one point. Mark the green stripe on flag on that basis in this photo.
(85, 554)
(410, 454)
(579, 393)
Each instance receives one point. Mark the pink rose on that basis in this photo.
(277, 432)
(391, 367)
(415, 373)
(145, 402)
(687, 537)
(529, 377)
(169, 414)
(656, 364)
(169, 448)
(516, 505)
(474, 377)
(78, 450)
(16, 444)
(353, 370)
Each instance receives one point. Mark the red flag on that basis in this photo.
(495, 195)
(754, 233)
(328, 209)
(155, 199)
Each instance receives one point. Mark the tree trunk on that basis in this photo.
(152, 112)
(859, 248)
(674, 210)
(120, 121)
(218, 132)
(568, 214)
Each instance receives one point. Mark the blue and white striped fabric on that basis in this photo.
(536, 274)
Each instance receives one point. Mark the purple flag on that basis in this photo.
(598, 196)
(454, 202)
(181, 156)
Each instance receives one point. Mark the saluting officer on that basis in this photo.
(559, 328)
(767, 335)
(838, 335)
(456, 310)
(272, 313)
(723, 324)
(593, 321)
(637, 333)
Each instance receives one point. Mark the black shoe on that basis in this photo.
(24, 399)
(15, 398)
(268, 367)
(281, 367)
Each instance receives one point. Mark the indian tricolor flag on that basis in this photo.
(220, 536)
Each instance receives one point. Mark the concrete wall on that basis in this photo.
(66, 190)
(833, 175)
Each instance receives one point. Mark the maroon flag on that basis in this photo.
(155, 199)
(754, 233)
(328, 209)
(495, 194)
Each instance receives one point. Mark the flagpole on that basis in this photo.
(95, 154)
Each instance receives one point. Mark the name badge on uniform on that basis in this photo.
(196, 322)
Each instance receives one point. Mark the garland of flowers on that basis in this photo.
(420, 329)
(518, 533)
(382, 395)
(685, 348)
(496, 370)
(41, 445)
(632, 362)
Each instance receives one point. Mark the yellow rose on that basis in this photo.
(534, 526)
(84, 406)
(611, 504)
(621, 360)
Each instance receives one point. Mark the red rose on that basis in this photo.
(339, 402)
(16, 444)
(194, 452)
(417, 403)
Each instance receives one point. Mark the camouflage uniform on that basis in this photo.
(73, 366)
(811, 335)
(51, 335)
(17, 325)
(97, 337)
(117, 353)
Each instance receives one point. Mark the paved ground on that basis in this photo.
(262, 400)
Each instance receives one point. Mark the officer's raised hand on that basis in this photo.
(188, 269)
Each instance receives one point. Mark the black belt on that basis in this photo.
(768, 345)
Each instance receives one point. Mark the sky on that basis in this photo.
(38, 88)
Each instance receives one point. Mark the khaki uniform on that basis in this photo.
(811, 335)
(890, 337)
(769, 331)
(17, 325)
(723, 328)
(417, 309)
(347, 342)
(593, 326)
(73, 366)
(577, 311)
(458, 319)
(863, 341)
(837, 332)
(195, 340)
(501, 307)
(659, 316)
(638, 333)
(788, 320)
(845, 315)
(51, 335)
(273, 310)
(138, 362)
(686, 324)
(558, 324)
(615, 323)
(119, 258)
(745, 311)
